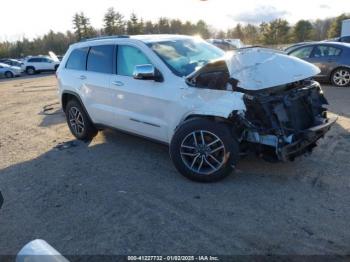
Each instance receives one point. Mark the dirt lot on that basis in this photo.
(120, 194)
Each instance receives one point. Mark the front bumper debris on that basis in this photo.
(306, 141)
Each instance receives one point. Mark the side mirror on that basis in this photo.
(147, 72)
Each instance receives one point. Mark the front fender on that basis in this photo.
(222, 106)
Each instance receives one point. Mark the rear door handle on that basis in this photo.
(82, 77)
(117, 83)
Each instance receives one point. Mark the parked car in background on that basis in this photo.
(226, 44)
(333, 59)
(37, 64)
(222, 44)
(343, 39)
(296, 45)
(235, 42)
(11, 62)
(9, 71)
(208, 106)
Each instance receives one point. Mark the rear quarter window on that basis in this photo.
(77, 59)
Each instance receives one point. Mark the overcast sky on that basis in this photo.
(34, 18)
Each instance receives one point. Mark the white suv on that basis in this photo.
(36, 64)
(209, 107)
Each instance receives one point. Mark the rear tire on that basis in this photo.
(341, 77)
(9, 74)
(30, 70)
(79, 122)
(203, 150)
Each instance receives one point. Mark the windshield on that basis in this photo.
(184, 56)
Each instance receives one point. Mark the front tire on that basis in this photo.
(30, 70)
(9, 74)
(341, 77)
(203, 150)
(79, 122)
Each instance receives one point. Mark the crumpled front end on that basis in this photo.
(284, 113)
(287, 123)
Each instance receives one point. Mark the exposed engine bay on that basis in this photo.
(280, 122)
(289, 121)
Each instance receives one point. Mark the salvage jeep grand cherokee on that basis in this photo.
(208, 106)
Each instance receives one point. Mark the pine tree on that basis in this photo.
(77, 26)
(202, 29)
(303, 31)
(163, 25)
(113, 23)
(148, 28)
(87, 29)
(133, 25)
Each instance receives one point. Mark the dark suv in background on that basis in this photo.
(343, 39)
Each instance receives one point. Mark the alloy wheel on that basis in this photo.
(76, 121)
(203, 152)
(341, 77)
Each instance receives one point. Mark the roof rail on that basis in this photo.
(104, 37)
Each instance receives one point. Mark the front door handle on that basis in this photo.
(82, 77)
(117, 83)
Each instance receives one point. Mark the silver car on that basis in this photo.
(9, 71)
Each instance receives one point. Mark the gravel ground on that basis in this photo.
(121, 194)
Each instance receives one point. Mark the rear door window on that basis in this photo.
(325, 51)
(100, 59)
(34, 60)
(77, 59)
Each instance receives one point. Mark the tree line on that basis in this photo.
(276, 32)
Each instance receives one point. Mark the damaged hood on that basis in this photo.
(261, 68)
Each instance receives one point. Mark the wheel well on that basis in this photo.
(8, 72)
(30, 67)
(199, 116)
(217, 119)
(66, 97)
(209, 117)
(234, 122)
